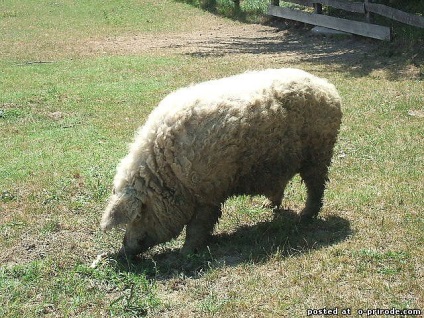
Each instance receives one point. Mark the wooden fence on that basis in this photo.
(356, 27)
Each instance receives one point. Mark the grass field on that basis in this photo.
(69, 107)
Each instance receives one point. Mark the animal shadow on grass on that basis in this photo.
(283, 236)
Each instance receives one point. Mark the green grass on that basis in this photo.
(67, 114)
(38, 30)
(76, 291)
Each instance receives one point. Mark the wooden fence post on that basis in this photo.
(318, 8)
(368, 16)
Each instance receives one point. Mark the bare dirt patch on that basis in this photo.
(208, 41)
(277, 41)
(230, 38)
(59, 244)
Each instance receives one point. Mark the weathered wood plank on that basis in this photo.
(355, 27)
(394, 14)
(357, 7)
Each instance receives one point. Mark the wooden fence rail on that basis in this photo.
(361, 28)
(394, 14)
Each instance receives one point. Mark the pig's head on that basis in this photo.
(128, 207)
(137, 239)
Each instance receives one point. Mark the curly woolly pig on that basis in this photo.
(245, 134)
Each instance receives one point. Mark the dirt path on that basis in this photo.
(213, 40)
(270, 43)
(231, 38)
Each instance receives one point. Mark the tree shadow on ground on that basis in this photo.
(281, 237)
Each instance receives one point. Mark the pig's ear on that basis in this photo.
(122, 209)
